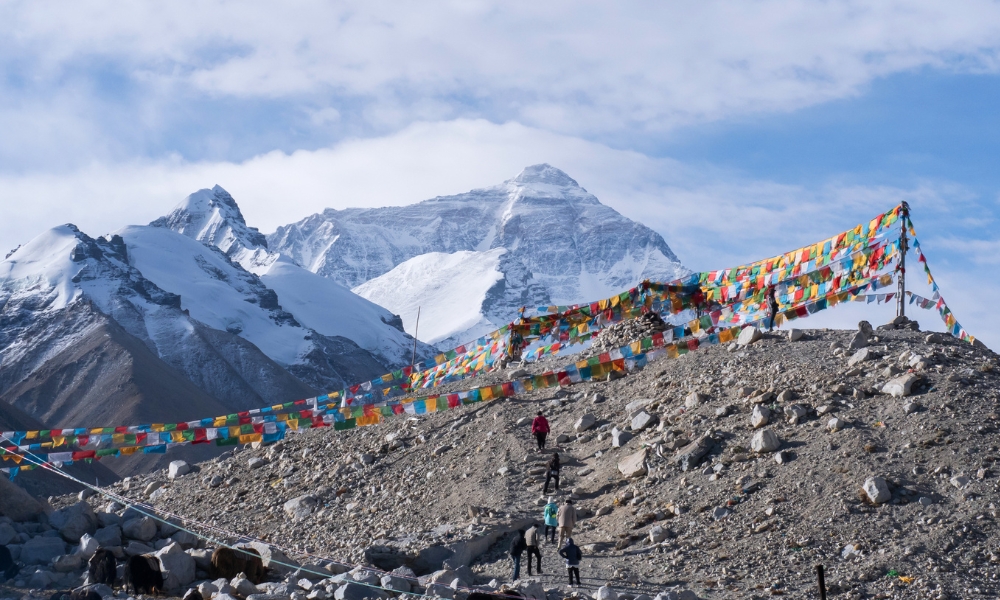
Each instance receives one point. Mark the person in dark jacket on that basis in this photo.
(540, 429)
(552, 472)
(571, 552)
(531, 539)
(517, 548)
(772, 307)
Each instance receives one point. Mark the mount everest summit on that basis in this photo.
(198, 314)
(471, 260)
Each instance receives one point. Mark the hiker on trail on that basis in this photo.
(517, 548)
(531, 539)
(772, 306)
(551, 519)
(571, 552)
(515, 345)
(552, 472)
(567, 520)
(540, 429)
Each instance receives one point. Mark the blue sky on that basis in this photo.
(737, 130)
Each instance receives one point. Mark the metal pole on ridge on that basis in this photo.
(903, 247)
(416, 330)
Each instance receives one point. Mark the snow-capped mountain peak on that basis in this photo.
(212, 217)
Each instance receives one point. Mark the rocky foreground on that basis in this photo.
(727, 473)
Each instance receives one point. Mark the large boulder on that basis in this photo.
(395, 584)
(178, 468)
(177, 566)
(634, 465)
(7, 533)
(41, 550)
(877, 490)
(17, 504)
(860, 356)
(748, 336)
(605, 592)
(74, 521)
(108, 537)
(142, 529)
(859, 341)
(900, 386)
(585, 422)
(765, 440)
(531, 589)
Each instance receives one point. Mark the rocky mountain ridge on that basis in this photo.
(729, 472)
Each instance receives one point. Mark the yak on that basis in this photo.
(103, 568)
(142, 575)
(230, 562)
(7, 567)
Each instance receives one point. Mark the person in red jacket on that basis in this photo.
(540, 429)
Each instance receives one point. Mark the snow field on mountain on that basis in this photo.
(44, 263)
(449, 289)
(331, 309)
(212, 290)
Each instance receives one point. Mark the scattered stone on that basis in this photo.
(900, 386)
(910, 407)
(721, 512)
(765, 440)
(781, 457)
(657, 534)
(748, 336)
(795, 413)
(959, 481)
(860, 356)
(585, 422)
(795, 335)
(441, 450)
(877, 490)
(301, 507)
(178, 468)
(41, 550)
(760, 416)
(634, 465)
(619, 438)
(151, 487)
(256, 462)
(142, 529)
(836, 424)
(693, 399)
(690, 455)
(643, 421)
(859, 341)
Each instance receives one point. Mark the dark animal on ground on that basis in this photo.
(7, 567)
(501, 595)
(103, 568)
(193, 594)
(142, 575)
(230, 562)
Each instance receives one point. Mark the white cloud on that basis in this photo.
(591, 68)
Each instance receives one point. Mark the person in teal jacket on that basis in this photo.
(551, 519)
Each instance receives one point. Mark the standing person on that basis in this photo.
(531, 540)
(552, 472)
(571, 552)
(567, 520)
(540, 429)
(551, 519)
(517, 548)
(772, 307)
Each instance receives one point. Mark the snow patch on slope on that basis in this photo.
(331, 309)
(449, 289)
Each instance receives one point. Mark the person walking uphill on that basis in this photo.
(552, 472)
(540, 429)
(531, 540)
(567, 520)
(571, 552)
(517, 548)
(551, 520)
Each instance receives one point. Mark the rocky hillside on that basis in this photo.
(727, 473)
